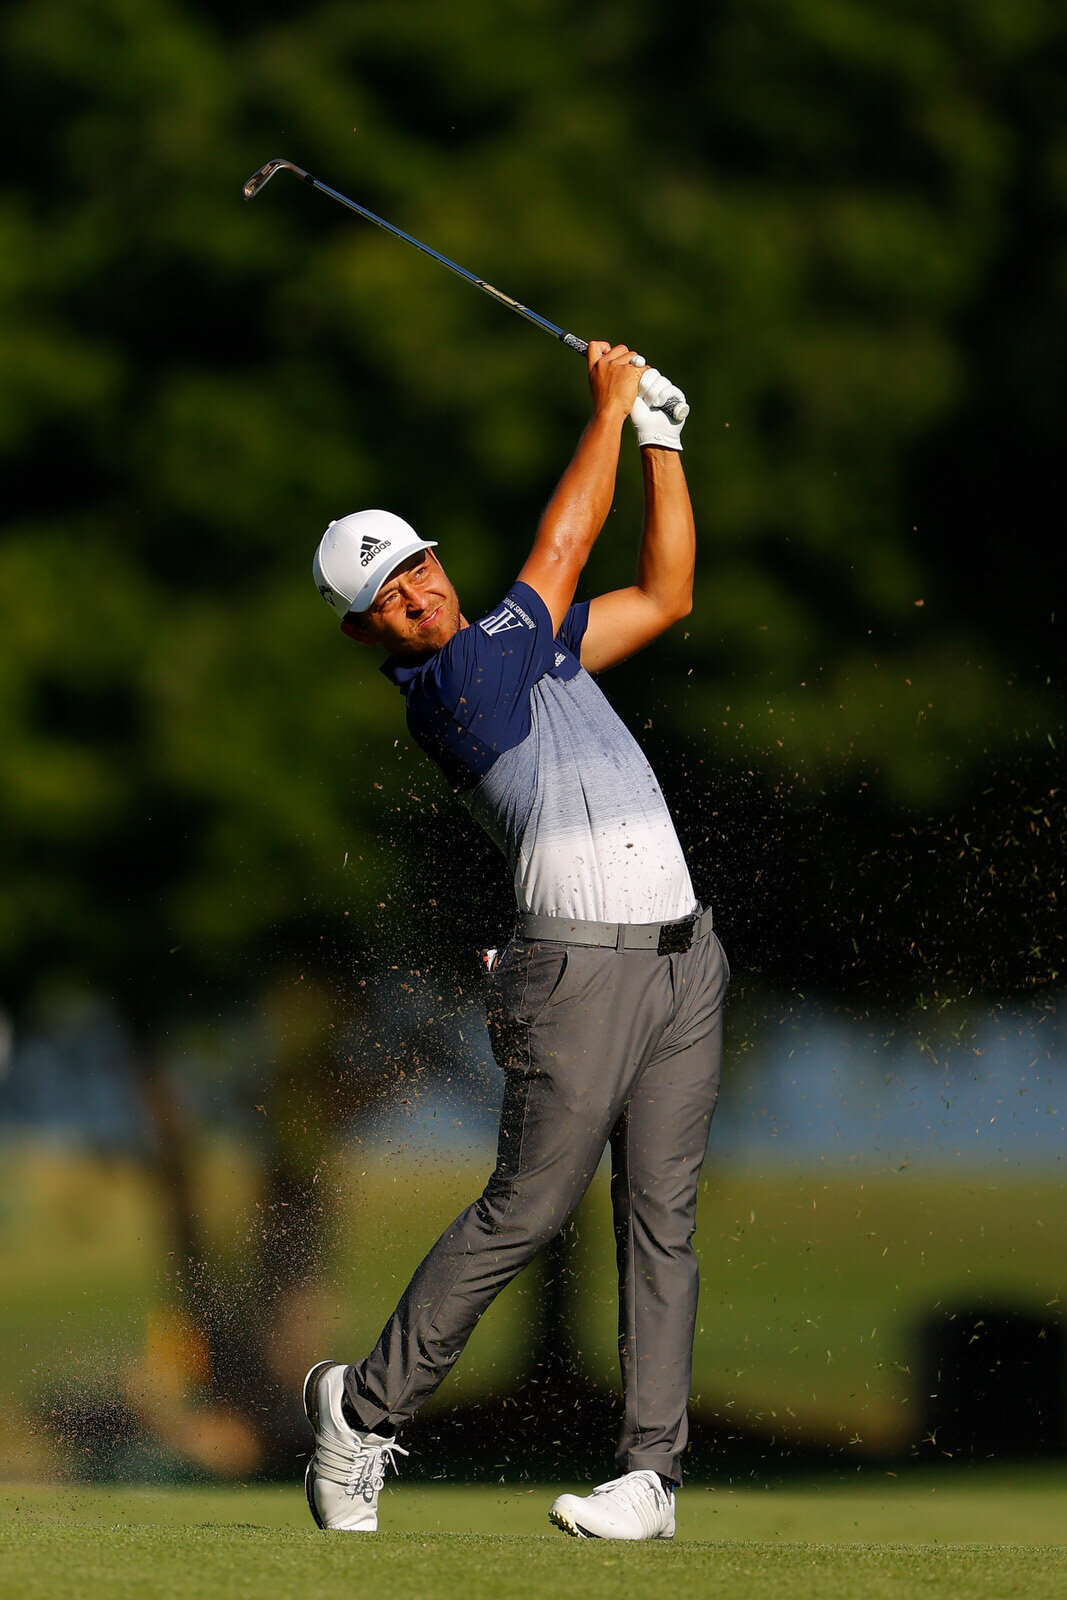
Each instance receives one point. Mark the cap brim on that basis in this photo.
(366, 597)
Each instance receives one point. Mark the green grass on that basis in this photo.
(978, 1534)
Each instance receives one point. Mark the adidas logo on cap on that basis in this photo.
(356, 554)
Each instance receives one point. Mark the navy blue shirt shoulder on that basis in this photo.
(470, 701)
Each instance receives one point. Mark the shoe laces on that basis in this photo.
(638, 1491)
(358, 1468)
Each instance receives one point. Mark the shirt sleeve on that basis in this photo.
(482, 678)
(572, 628)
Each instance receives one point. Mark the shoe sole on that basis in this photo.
(561, 1520)
(311, 1411)
(309, 1494)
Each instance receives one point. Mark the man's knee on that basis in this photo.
(519, 1213)
(666, 1225)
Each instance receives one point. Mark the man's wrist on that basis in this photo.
(611, 413)
(660, 465)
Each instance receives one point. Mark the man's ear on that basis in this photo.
(355, 630)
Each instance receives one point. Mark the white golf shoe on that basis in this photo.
(347, 1471)
(635, 1506)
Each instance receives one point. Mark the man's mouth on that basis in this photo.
(430, 618)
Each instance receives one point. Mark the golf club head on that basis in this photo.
(265, 173)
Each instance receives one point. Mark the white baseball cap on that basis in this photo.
(357, 553)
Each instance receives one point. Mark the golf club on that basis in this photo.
(675, 407)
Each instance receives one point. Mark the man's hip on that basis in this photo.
(665, 938)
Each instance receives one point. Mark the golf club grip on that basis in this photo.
(674, 406)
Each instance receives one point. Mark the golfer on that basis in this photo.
(605, 1010)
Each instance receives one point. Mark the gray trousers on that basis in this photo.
(597, 1046)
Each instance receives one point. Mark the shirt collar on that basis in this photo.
(401, 672)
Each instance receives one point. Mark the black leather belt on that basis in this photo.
(665, 938)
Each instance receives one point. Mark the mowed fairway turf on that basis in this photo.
(971, 1534)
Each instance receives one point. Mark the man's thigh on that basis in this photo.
(669, 1114)
(572, 1028)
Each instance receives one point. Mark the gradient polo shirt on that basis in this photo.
(544, 764)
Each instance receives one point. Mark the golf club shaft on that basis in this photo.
(675, 407)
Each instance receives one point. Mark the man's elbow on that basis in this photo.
(665, 607)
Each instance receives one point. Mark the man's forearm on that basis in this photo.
(579, 507)
(575, 515)
(667, 557)
(582, 499)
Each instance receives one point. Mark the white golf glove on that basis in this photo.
(653, 424)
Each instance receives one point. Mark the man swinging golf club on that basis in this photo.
(605, 1010)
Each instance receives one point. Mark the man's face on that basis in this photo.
(414, 613)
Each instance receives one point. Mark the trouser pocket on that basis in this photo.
(521, 985)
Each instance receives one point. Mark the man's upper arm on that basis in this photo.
(621, 623)
(553, 577)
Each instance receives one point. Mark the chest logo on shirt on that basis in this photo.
(500, 621)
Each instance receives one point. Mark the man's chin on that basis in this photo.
(428, 641)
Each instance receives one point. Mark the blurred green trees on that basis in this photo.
(838, 225)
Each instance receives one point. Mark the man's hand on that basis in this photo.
(613, 378)
(653, 425)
